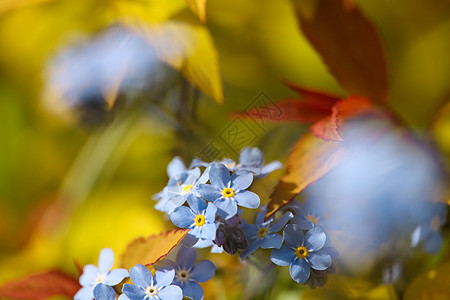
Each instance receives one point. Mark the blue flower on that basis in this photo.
(199, 218)
(311, 214)
(302, 252)
(263, 234)
(252, 159)
(188, 274)
(228, 191)
(429, 231)
(147, 286)
(103, 274)
(104, 292)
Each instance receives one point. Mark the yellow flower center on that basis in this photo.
(262, 232)
(151, 291)
(200, 220)
(187, 188)
(227, 192)
(312, 219)
(301, 252)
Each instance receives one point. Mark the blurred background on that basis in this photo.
(96, 97)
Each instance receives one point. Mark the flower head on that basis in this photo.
(146, 286)
(302, 252)
(252, 159)
(227, 192)
(188, 274)
(103, 274)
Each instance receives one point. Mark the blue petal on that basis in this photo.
(85, 293)
(226, 205)
(433, 243)
(90, 274)
(283, 256)
(319, 260)
(302, 222)
(166, 264)
(315, 239)
(182, 217)
(203, 243)
(116, 276)
(141, 276)
(260, 217)
(163, 277)
(252, 247)
(251, 156)
(176, 166)
(186, 257)
(193, 290)
(104, 292)
(250, 230)
(133, 292)
(216, 249)
(219, 175)
(205, 176)
(192, 175)
(208, 231)
(293, 235)
(278, 225)
(171, 292)
(269, 168)
(272, 240)
(209, 192)
(105, 260)
(299, 270)
(189, 240)
(203, 271)
(123, 297)
(210, 214)
(197, 204)
(247, 199)
(241, 180)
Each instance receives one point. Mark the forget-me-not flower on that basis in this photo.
(302, 252)
(104, 292)
(103, 274)
(429, 232)
(199, 218)
(311, 214)
(263, 234)
(227, 192)
(146, 286)
(252, 159)
(188, 274)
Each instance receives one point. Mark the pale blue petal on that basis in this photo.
(116, 276)
(433, 243)
(197, 204)
(416, 236)
(241, 180)
(203, 271)
(210, 214)
(283, 256)
(105, 260)
(247, 199)
(281, 222)
(182, 217)
(141, 276)
(272, 240)
(186, 257)
(209, 192)
(251, 156)
(175, 167)
(104, 292)
(315, 239)
(171, 292)
(193, 290)
(219, 175)
(226, 205)
(85, 293)
(133, 292)
(302, 222)
(216, 249)
(250, 230)
(193, 175)
(319, 260)
(252, 247)
(163, 277)
(123, 297)
(293, 236)
(203, 243)
(208, 231)
(189, 240)
(299, 270)
(270, 167)
(205, 176)
(260, 217)
(90, 274)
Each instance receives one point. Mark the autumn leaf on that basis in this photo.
(310, 159)
(198, 8)
(41, 286)
(348, 44)
(150, 250)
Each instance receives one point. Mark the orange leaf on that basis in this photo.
(148, 251)
(310, 159)
(41, 286)
(348, 44)
(328, 128)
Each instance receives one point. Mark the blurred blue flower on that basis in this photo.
(302, 252)
(263, 234)
(188, 274)
(104, 292)
(103, 274)
(252, 159)
(227, 192)
(147, 286)
(311, 214)
(199, 218)
(429, 231)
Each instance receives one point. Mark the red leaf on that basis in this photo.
(310, 159)
(41, 286)
(348, 44)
